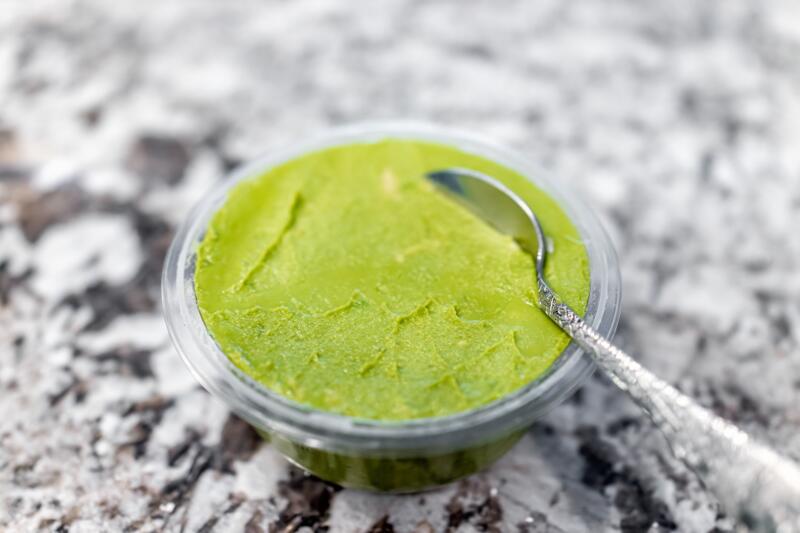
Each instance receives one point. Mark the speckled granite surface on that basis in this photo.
(679, 121)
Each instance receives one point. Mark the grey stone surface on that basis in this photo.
(678, 121)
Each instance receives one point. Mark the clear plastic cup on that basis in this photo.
(385, 455)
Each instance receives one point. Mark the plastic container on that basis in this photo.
(388, 456)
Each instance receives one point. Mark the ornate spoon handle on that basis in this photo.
(755, 484)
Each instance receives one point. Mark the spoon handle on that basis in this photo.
(758, 486)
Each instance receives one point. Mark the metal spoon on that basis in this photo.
(755, 484)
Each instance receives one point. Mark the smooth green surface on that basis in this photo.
(342, 280)
(402, 473)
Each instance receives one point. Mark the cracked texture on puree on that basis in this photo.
(344, 281)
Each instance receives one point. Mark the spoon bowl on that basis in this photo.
(496, 204)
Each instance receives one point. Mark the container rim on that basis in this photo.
(311, 427)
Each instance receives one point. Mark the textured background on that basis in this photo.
(679, 121)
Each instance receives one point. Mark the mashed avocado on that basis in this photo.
(344, 281)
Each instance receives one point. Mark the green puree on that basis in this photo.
(344, 281)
